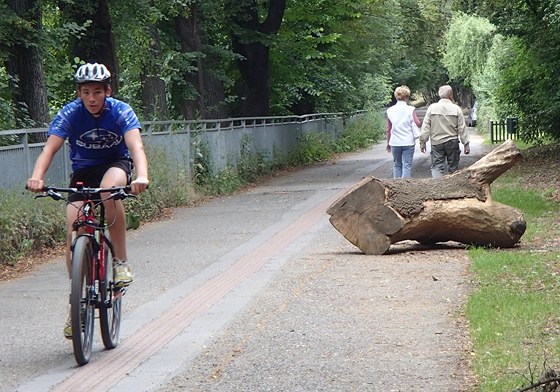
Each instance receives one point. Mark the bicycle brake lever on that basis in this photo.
(54, 195)
(127, 194)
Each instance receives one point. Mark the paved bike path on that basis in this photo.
(195, 273)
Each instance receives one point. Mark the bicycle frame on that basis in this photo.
(91, 272)
(86, 224)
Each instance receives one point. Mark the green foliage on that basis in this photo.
(225, 182)
(311, 148)
(365, 131)
(326, 50)
(418, 45)
(468, 42)
(202, 162)
(252, 164)
(327, 56)
(7, 119)
(524, 83)
(169, 187)
(26, 227)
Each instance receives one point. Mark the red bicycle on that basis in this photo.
(91, 275)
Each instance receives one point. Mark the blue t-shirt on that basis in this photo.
(94, 141)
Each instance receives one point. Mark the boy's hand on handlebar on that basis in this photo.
(139, 185)
(35, 185)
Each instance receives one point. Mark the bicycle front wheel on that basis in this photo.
(82, 303)
(110, 309)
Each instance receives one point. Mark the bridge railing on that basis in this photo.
(180, 141)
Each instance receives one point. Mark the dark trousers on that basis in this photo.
(445, 157)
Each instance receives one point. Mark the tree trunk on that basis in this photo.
(379, 212)
(251, 40)
(98, 45)
(210, 95)
(154, 98)
(24, 64)
(255, 78)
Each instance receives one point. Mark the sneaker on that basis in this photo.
(122, 274)
(68, 328)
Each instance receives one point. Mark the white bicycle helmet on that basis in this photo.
(92, 73)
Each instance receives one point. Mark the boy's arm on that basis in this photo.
(134, 144)
(53, 144)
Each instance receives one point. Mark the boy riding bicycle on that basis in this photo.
(104, 138)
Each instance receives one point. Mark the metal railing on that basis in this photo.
(180, 140)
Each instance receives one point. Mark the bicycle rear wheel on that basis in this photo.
(110, 309)
(82, 304)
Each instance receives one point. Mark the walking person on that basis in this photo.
(104, 139)
(444, 126)
(402, 132)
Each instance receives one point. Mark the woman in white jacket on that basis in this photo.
(402, 131)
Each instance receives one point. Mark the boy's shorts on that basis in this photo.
(92, 176)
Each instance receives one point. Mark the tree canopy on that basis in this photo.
(186, 59)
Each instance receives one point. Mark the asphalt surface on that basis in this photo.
(255, 292)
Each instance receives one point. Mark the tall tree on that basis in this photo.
(251, 37)
(24, 64)
(332, 56)
(97, 44)
(153, 86)
(525, 82)
(469, 40)
(420, 29)
(209, 100)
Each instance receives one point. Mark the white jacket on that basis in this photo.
(402, 124)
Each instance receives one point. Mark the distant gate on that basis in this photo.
(500, 131)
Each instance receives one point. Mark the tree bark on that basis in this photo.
(379, 212)
(25, 67)
(251, 40)
(154, 98)
(210, 94)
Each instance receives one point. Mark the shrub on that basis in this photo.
(28, 225)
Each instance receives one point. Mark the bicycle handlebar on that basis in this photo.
(117, 192)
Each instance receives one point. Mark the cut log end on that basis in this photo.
(377, 213)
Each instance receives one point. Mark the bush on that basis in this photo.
(312, 147)
(28, 225)
(365, 131)
(169, 187)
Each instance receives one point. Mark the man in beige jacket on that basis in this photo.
(444, 125)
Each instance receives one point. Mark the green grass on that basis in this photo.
(513, 310)
(536, 209)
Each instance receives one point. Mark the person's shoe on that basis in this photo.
(68, 328)
(122, 274)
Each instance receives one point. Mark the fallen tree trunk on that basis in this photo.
(376, 213)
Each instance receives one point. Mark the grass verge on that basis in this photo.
(513, 310)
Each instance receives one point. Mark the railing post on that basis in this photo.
(25, 141)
